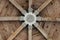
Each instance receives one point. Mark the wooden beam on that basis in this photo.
(13, 35)
(42, 7)
(9, 18)
(30, 4)
(44, 33)
(18, 6)
(29, 32)
(41, 30)
(47, 19)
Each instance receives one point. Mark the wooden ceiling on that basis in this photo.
(52, 28)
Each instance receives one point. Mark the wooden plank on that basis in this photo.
(30, 4)
(47, 19)
(41, 30)
(29, 32)
(42, 6)
(9, 18)
(13, 35)
(18, 6)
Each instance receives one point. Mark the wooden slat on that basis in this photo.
(29, 32)
(41, 30)
(50, 19)
(42, 6)
(18, 6)
(9, 18)
(30, 4)
(47, 19)
(16, 32)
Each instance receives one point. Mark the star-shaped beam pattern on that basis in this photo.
(30, 19)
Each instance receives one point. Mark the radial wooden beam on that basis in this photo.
(16, 32)
(47, 19)
(21, 18)
(42, 7)
(18, 6)
(30, 32)
(30, 4)
(9, 18)
(44, 33)
(41, 30)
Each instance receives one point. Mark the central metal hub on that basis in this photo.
(30, 18)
